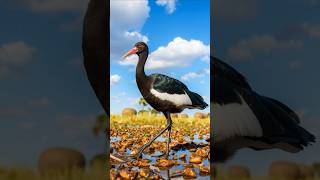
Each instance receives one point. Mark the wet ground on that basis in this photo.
(189, 155)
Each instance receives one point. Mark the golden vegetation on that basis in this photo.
(188, 135)
(199, 115)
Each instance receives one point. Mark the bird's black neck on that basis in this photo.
(140, 74)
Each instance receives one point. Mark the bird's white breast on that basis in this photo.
(233, 120)
(177, 99)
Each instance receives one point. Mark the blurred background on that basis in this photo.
(274, 44)
(45, 97)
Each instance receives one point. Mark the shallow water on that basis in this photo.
(165, 173)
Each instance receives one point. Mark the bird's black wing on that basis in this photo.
(222, 70)
(166, 84)
(279, 124)
(226, 83)
(95, 47)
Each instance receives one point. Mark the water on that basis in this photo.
(165, 173)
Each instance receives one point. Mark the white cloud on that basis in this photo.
(235, 9)
(126, 21)
(135, 35)
(76, 7)
(207, 71)
(133, 101)
(122, 42)
(206, 59)
(56, 5)
(122, 93)
(312, 30)
(178, 53)
(116, 99)
(247, 49)
(14, 54)
(114, 79)
(192, 75)
(128, 14)
(169, 4)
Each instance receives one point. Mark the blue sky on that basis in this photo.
(275, 45)
(163, 22)
(45, 97)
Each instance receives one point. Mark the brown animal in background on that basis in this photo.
(238, 172)
(174, 115)
(306, 172)
(99, 160)
(199, 115)
(127, 112)
(184, 116)
(59, 159)
(284, 170)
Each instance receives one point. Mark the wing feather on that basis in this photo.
(166, 84)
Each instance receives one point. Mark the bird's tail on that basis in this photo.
(293, 134)
(197, 100)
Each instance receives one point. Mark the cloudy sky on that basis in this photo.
(45, 98)
(178, 43)
(276, 46)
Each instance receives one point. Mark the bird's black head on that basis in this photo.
(141, 46)
(138, 48)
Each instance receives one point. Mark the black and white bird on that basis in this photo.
(240, 117)
(163, 93)
(243, 118)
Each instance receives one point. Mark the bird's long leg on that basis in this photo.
(169, 136)
(169, 124)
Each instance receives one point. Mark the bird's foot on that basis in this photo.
(158, 155)
(130, 158)
(137, 155)
(166, 155)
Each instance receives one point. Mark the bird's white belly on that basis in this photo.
(177, 99)
(233, 120)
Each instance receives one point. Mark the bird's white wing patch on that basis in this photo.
(177, 99)
(233, 120)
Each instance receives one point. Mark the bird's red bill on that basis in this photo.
(132, 51)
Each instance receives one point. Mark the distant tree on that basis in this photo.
(153, 111)
(100, 125)
(143, 102)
